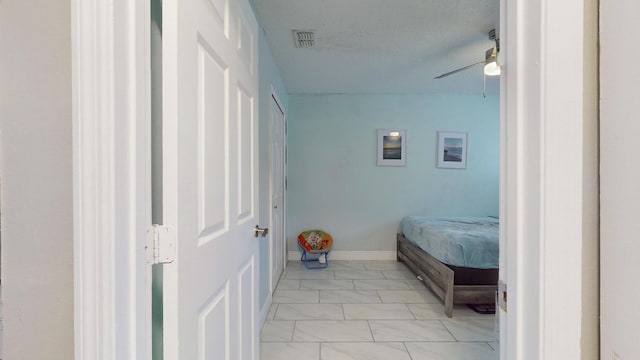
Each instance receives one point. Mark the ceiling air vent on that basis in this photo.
(303, 38)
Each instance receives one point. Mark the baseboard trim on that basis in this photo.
(352, 255)
(264, 311)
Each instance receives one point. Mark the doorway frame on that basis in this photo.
(543, 106)
(541, 109)
(111, 178)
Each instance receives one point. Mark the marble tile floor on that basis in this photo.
(369, 310)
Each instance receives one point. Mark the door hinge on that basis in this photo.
(161, 246)
(502, 295)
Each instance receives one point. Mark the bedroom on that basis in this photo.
(333, 182)
(332, 178)
(331, 126)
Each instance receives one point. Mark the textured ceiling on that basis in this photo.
(381, 46)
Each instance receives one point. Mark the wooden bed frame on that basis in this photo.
(454, 285)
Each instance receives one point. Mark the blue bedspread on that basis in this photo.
(459, 241)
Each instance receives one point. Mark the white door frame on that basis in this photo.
(541, 178)
(111, 178)
(540, 192)
(274, 97)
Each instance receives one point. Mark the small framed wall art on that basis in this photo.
(452, 150)
(392, 147)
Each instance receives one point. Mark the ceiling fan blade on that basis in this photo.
(458, 70)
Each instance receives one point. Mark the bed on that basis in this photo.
(456, 257)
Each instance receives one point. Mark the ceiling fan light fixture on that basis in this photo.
(491, 67)
(490, 63)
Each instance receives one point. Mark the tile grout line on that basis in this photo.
(373, 338)
(449, 331)
(380, 297)
(404, 343)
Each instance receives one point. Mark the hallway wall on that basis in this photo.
(37, 193)
(620, 176)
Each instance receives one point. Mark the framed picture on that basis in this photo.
(392, 147)
(452, 150)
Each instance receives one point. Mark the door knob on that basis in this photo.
(257, 231)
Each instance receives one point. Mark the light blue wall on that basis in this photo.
(334, 183)
(269, 78)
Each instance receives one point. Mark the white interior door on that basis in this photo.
(210, 178)
(277, 238)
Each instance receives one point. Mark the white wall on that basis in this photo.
(334, 183)
(37, 232)
(620, 179)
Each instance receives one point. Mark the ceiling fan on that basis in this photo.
(491, 67)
